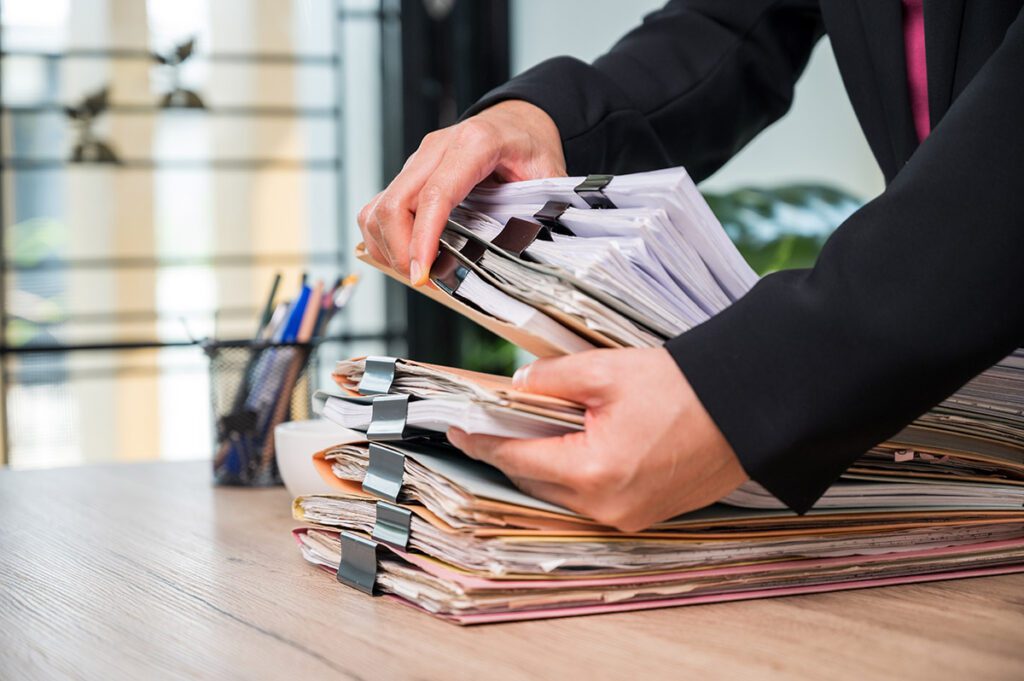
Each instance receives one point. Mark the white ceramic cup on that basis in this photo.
(297, 441)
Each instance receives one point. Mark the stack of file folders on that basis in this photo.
(562, 265)
(413, 519)
(558, 265)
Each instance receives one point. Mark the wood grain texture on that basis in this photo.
(145, 571)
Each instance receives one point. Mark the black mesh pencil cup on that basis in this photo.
(253, 388)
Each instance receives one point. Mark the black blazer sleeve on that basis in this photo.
(689, 87)
(912, 296)
(916, 293)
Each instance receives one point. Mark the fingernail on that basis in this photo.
(415, 273)
(519, 377)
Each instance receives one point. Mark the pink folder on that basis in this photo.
(483, 583)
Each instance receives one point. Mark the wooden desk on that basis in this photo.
(145, 571)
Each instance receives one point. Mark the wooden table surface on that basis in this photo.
(145, 571)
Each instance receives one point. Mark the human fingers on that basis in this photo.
(369, 231)
(364, 213)
(548, 491)
(584, 377)
(376, 253)
(391, 218)
(550, 459)
(470, 158)
(554, 471)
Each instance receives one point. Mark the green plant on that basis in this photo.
(781, 228)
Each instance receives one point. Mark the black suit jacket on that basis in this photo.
(912, 296)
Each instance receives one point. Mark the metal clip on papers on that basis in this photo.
(449, 271)
(550, 216)
(384, 473)
(358, 566)
(517, 235)
(591, 190)
(393, 525)
(388, 417)
(378, 375)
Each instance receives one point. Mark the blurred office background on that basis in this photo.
(111, 271)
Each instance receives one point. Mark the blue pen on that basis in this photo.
(291, 331)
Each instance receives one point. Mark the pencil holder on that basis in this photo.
(253, 388)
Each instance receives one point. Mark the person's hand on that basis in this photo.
(510, 141)
(649, 450)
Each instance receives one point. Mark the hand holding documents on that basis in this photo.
(454, 537)
(412, 518)
(533, 262)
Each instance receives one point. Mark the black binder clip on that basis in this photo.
(550, 216)
(393, 525)
(388, 417)
(518, 234)
(448, 271)
(378, 375)
(358, 565)
(591, 190)
(385, 473)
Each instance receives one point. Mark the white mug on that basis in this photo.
(297, 441)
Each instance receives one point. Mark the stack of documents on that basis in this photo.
(416, 520)
(534, 263)
(566, 264)
(438, 398)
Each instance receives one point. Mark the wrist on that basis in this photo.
(721, 470)
(530, 144)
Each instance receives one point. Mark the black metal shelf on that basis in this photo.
(27, 164)
(150, 109)
(147, 344)
(34, 373)
(139, 316)
(81, 333)
(56, 374)
(331, 60)
(150, 262)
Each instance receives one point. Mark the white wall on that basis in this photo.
(819, 140)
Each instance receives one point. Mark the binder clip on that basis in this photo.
(591, 190)
(448, 271)
(384, 473)
(518, 234)
(358, 566)
(319, 401)
(387, 418)
(392, 525)
(378, 375)
(549, 216)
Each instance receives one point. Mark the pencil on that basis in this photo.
(268, 308)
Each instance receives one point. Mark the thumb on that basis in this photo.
(584, 377)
